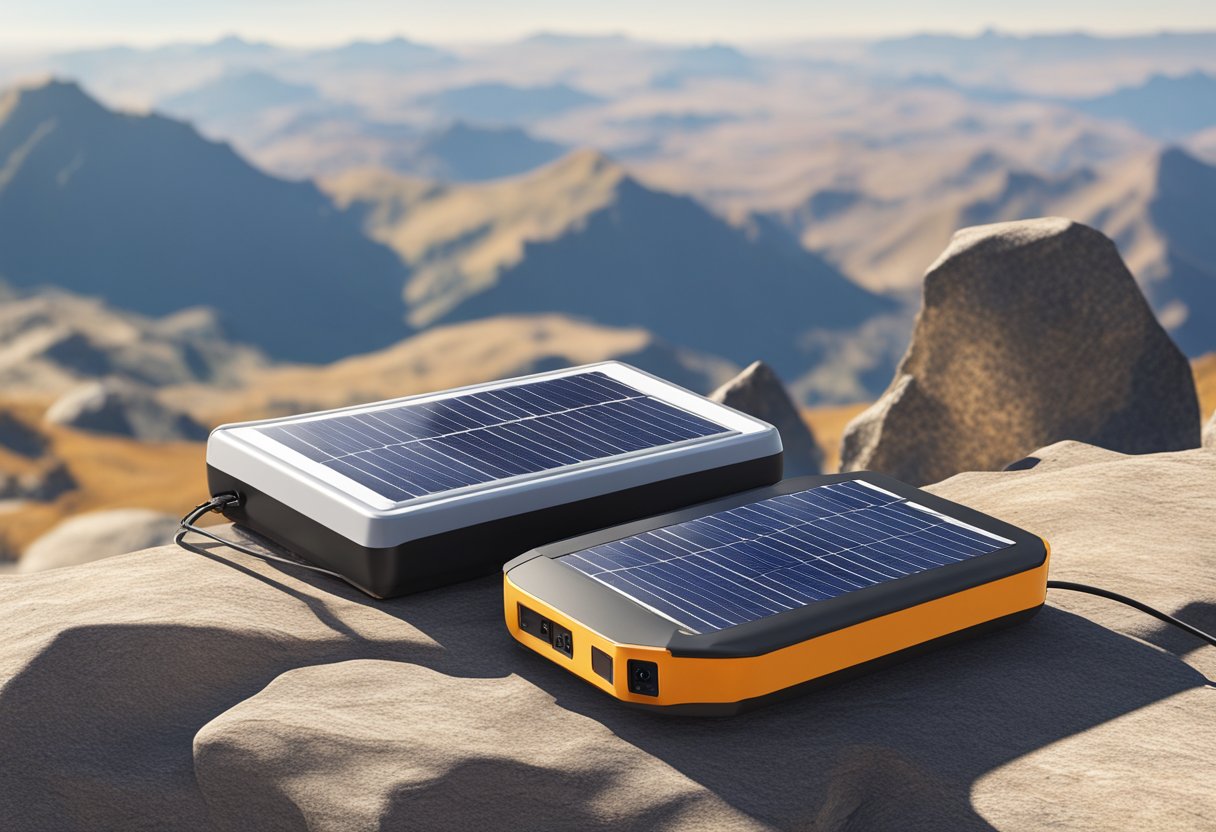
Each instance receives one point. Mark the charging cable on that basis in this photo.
(218, 503)
(1132, 602)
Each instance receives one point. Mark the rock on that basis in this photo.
(758, 392)
(258, 749)
(20, 438)
(1209, 433)
(167, 690)
(97, 535)
(44, 483)
(1030, 333)
(123, 409)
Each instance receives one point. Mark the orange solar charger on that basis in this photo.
(735, 602)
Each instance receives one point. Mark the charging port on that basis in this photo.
(563, 640)
(643, 677)
(537, 625)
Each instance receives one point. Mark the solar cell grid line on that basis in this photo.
(423, 448)
(762, 558)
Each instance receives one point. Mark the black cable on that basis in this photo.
(1132, 602)
(217, 503)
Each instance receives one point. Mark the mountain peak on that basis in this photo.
(587, 162)
(1176, 169)
(27, 105)
(53, 94)
(154, 211)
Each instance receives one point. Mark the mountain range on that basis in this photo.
(162, 219)
(498, 103)
(1057, 64)
(581, 237)
(292, 129)
(1157, 207)
(756, 190)
(144, 212)
(1163, 106)
(226, 103)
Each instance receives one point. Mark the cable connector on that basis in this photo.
(218, 503)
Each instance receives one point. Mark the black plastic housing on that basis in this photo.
(481, 549)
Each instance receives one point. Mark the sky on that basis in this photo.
(38, 24)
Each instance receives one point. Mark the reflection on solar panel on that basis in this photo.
(405, 452)
(777, 554)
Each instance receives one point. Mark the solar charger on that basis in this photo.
(720, 607)
(418, 492)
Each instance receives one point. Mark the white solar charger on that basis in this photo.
(413, 493)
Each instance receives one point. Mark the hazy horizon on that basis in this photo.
(40, 26)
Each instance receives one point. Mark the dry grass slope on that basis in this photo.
(110, 472)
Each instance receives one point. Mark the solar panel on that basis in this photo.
(419, 449)
(402, 495)
(766, 557)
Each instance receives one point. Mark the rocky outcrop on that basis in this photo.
(44, 482)
(97, 535)
(51, 341)
(1209, 433)
(20, 438)
(168, 690)
(122, 409)
(758, 392)
(1030, 333)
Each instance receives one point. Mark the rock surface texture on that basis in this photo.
(97, 535)
(122, 409)
(169, 690)
(1030, 333)
(758, 392)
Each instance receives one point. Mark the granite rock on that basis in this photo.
(1029, 333)
(757, 391)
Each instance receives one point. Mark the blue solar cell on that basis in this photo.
(778, 554)
(426, 448)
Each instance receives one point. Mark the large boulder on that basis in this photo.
(168, 690)
(1030, 333)
(97, 535)
(123, 409)
(758, 392)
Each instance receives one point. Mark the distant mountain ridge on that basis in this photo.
(394, 53)
(237, 95)
(1051, 46)
(500, 103)
(463, 152)
(146, 213)
(1157, 207)
(291, 129)
(580, 237)
(1167, 107)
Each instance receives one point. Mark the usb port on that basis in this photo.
(563, 640)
